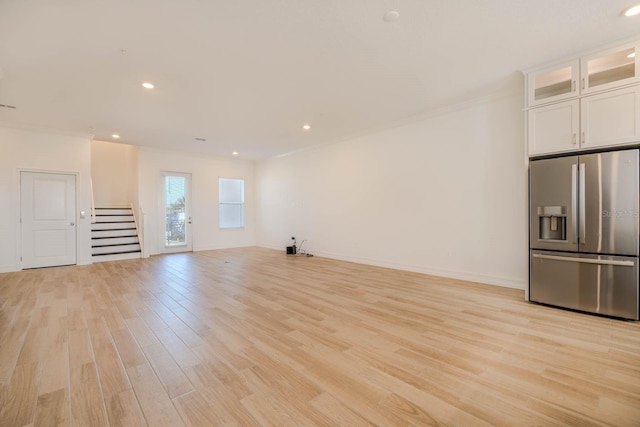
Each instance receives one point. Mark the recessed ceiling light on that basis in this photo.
(391, 16)
(631, 55)
(306, 127)
(235, 153)
(632, 11)
(147, 85)
(115, 135)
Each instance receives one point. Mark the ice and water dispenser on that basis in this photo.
(552, 222)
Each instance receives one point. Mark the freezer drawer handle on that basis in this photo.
(585, 260)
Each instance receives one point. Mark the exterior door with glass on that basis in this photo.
(176, 212)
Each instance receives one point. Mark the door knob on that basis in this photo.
(72, 223)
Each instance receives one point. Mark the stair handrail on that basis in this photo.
(139, 227)
(93, 203)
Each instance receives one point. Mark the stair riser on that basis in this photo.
(115, 241)
(117, 225)
(114, 218)
(100, 211)
(114, 249)
(113, 233)
(117, 257)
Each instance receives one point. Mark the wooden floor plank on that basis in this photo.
(251, 337)
(195, 411)
(156, 405)
(18, 399)
(123, 410)
(171, 376)
(87, 404)
(53, 409)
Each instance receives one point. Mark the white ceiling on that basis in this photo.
(247, 74)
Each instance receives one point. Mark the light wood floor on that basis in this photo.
(250, 337)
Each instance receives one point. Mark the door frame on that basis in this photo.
(163, 248)
(18, 222)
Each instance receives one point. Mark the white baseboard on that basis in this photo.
(505, 282)
(8, 269)
(216, 248)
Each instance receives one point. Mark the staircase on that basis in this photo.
(114, 235)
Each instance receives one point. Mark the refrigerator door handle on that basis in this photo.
(582, 234)
(585, 260)
(574, 206)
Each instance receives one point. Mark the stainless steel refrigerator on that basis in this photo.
(583, 212)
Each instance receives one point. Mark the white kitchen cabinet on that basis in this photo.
(553, 83)
(585, 102)
(600, 120)
(554, 128)
(610, 118)
(610, 69)
(605, 70)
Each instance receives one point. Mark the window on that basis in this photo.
(231, 203)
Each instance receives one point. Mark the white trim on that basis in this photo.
(505, 282)
(429, 113)
(579, 54)
(45, 129)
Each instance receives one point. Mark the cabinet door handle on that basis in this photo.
(573, 85)
(573, 139)
(582, 138)
(583, 83)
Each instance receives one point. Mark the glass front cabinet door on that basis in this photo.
(553, 83)
(610, 68)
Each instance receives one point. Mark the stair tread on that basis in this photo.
(116, 228)
(114, 237)
(118, 253)
(111, 229)
(116, 232)
(100, 223)
(115, 244)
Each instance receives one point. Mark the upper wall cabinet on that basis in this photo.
(605, 70)
(554, 128)
(585, 103)
(610, 68)
(600, 120)
(610, 118)
(553, 83)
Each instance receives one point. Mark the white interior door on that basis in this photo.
(48, 219)
(176, 212)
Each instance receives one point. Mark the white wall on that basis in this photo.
(47, 152)
(205, 171)
(445, 195)
(114, 169)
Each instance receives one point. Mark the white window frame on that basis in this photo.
(222, 203)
